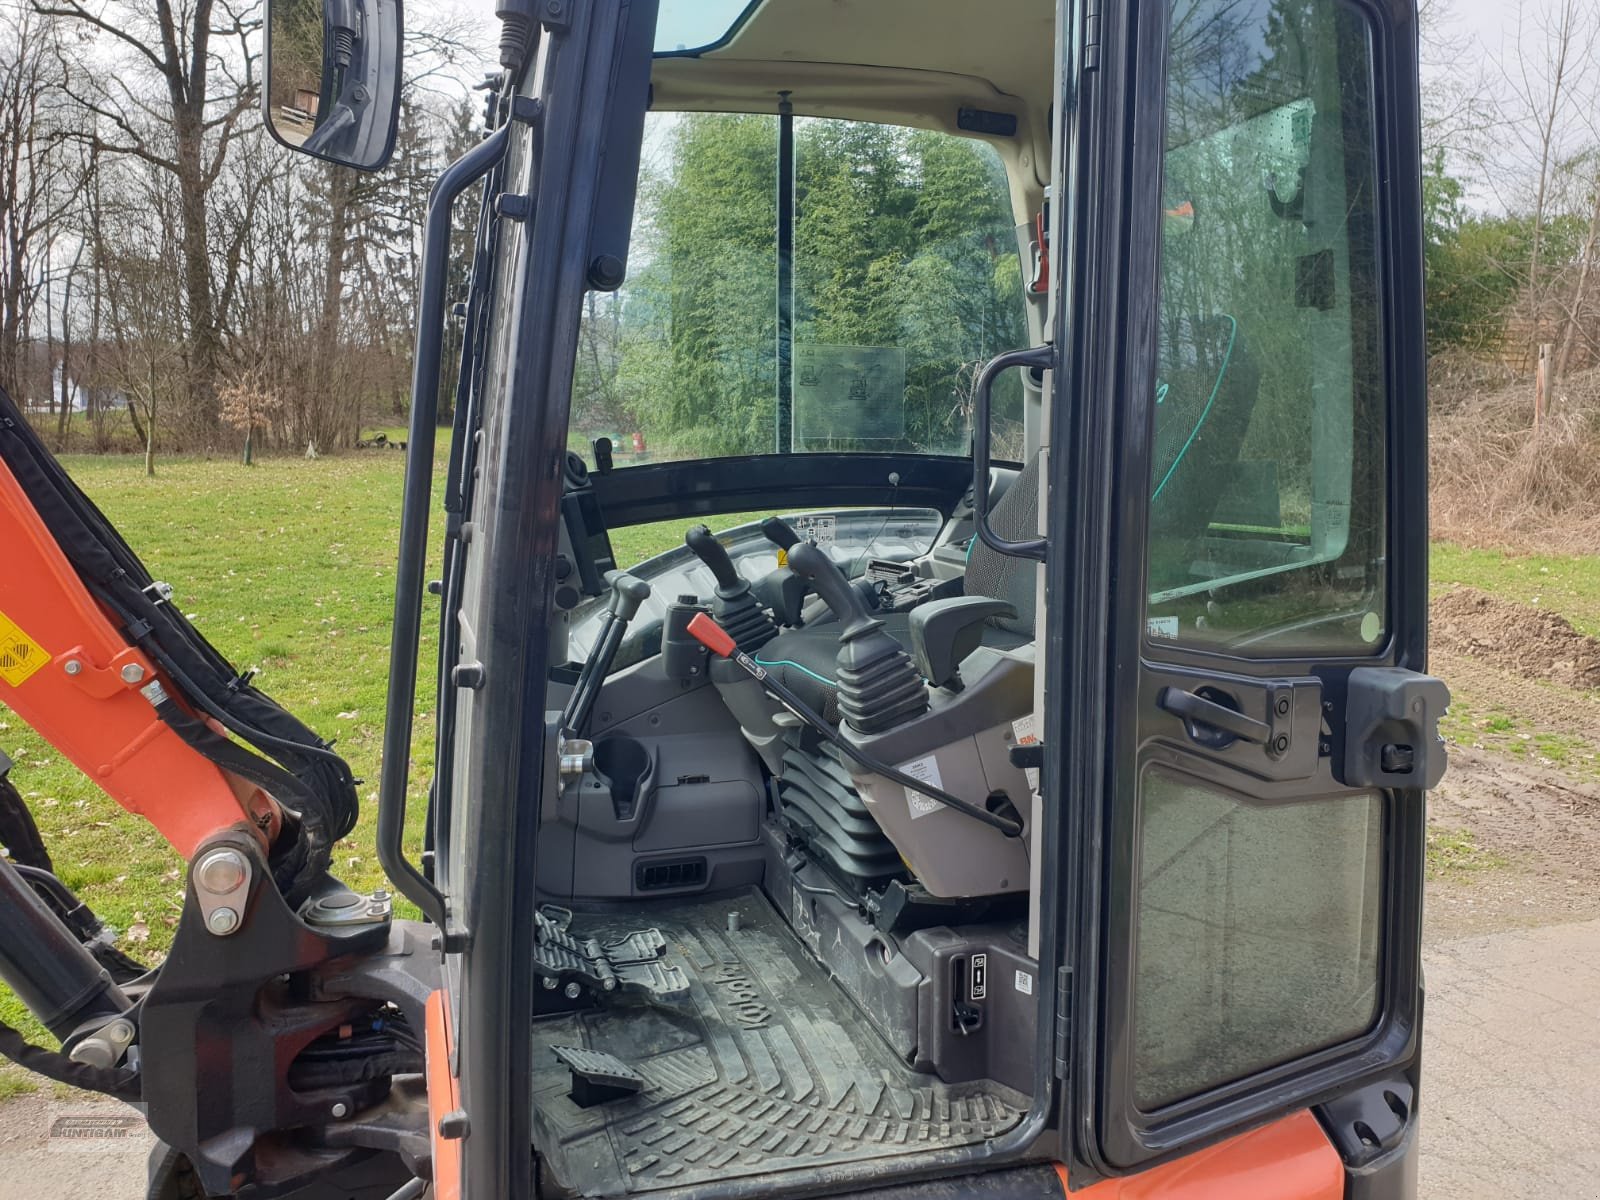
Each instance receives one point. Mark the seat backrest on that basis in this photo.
(1201, 418)
(999, 576)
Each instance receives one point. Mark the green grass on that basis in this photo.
(1455, 854)
(1565, 583)
(1491, 727)
(288, 568)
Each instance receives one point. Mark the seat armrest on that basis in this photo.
(943, 632)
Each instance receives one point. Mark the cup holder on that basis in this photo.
(628, 767)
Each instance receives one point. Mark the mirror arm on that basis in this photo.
(344, 19)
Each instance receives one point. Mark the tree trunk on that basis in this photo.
(205, 343)
(1580, 290)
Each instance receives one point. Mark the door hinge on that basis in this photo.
(1091, 35)
(1063, 1037)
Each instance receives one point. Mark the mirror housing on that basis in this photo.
(333, 78)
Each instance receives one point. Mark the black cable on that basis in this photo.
(52, 1064)
(894, 503)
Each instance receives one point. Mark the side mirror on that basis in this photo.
(333, 78)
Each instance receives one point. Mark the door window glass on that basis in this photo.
(1267, 487)
(1258, 932)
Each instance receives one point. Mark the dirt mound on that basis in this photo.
(1531, 642)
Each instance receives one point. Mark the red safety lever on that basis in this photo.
(712, 636)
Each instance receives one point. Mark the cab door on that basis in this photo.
(1243, 731)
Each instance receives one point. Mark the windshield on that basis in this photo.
(685, 26)
(907, 279)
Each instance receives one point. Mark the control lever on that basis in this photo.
(738, 611)
(714, 554)
(628, 592)
(879, 686)
(783, 591)
(828, 581)
(780, 533)
(715, 639)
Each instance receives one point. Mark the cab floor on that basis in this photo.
(765, 1066)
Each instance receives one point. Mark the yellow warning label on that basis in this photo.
(783, 558)
(20, 655)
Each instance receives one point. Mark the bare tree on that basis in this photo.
(201, 54)
(34, 196)
(1552, 57)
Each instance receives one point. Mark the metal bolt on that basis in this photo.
(1283, 706)
(95, 1051)
(119, 1031)
(221, 872)
(223, 922)
(341, 1109)
(733, 922)
(549, 984)
(73, 667)
(573, 991)
(132, 673)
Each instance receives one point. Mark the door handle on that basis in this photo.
(1196, 709)
(1039, 358)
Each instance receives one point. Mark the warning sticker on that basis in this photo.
(819, 529)
(1026, 730)
(20, 655)
(1024, 983)
(1162, 627)
(927, 770)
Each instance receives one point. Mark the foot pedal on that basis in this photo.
(631, 963)
(598, 1077)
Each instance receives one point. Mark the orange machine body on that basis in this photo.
(1291, 1159)
(443, 1097)
(68, 672)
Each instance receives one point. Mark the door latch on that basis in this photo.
(1392, 729)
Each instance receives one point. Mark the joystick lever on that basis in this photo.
(735, 608)
(828, 581)
(628, 592)
(879, 687)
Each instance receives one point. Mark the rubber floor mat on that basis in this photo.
(765, 1066)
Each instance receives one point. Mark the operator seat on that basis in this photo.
(1202, 418)
(804, 660)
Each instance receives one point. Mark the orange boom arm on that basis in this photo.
(68, 672)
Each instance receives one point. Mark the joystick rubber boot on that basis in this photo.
(879, 686)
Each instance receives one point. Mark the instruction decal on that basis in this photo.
(20, 655)
(927, 770)
(1026, 730)
(1162, 627)
(1024, 983)
(823, 530)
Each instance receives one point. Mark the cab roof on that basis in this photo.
(906, 62)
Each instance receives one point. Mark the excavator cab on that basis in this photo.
(930, 694)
